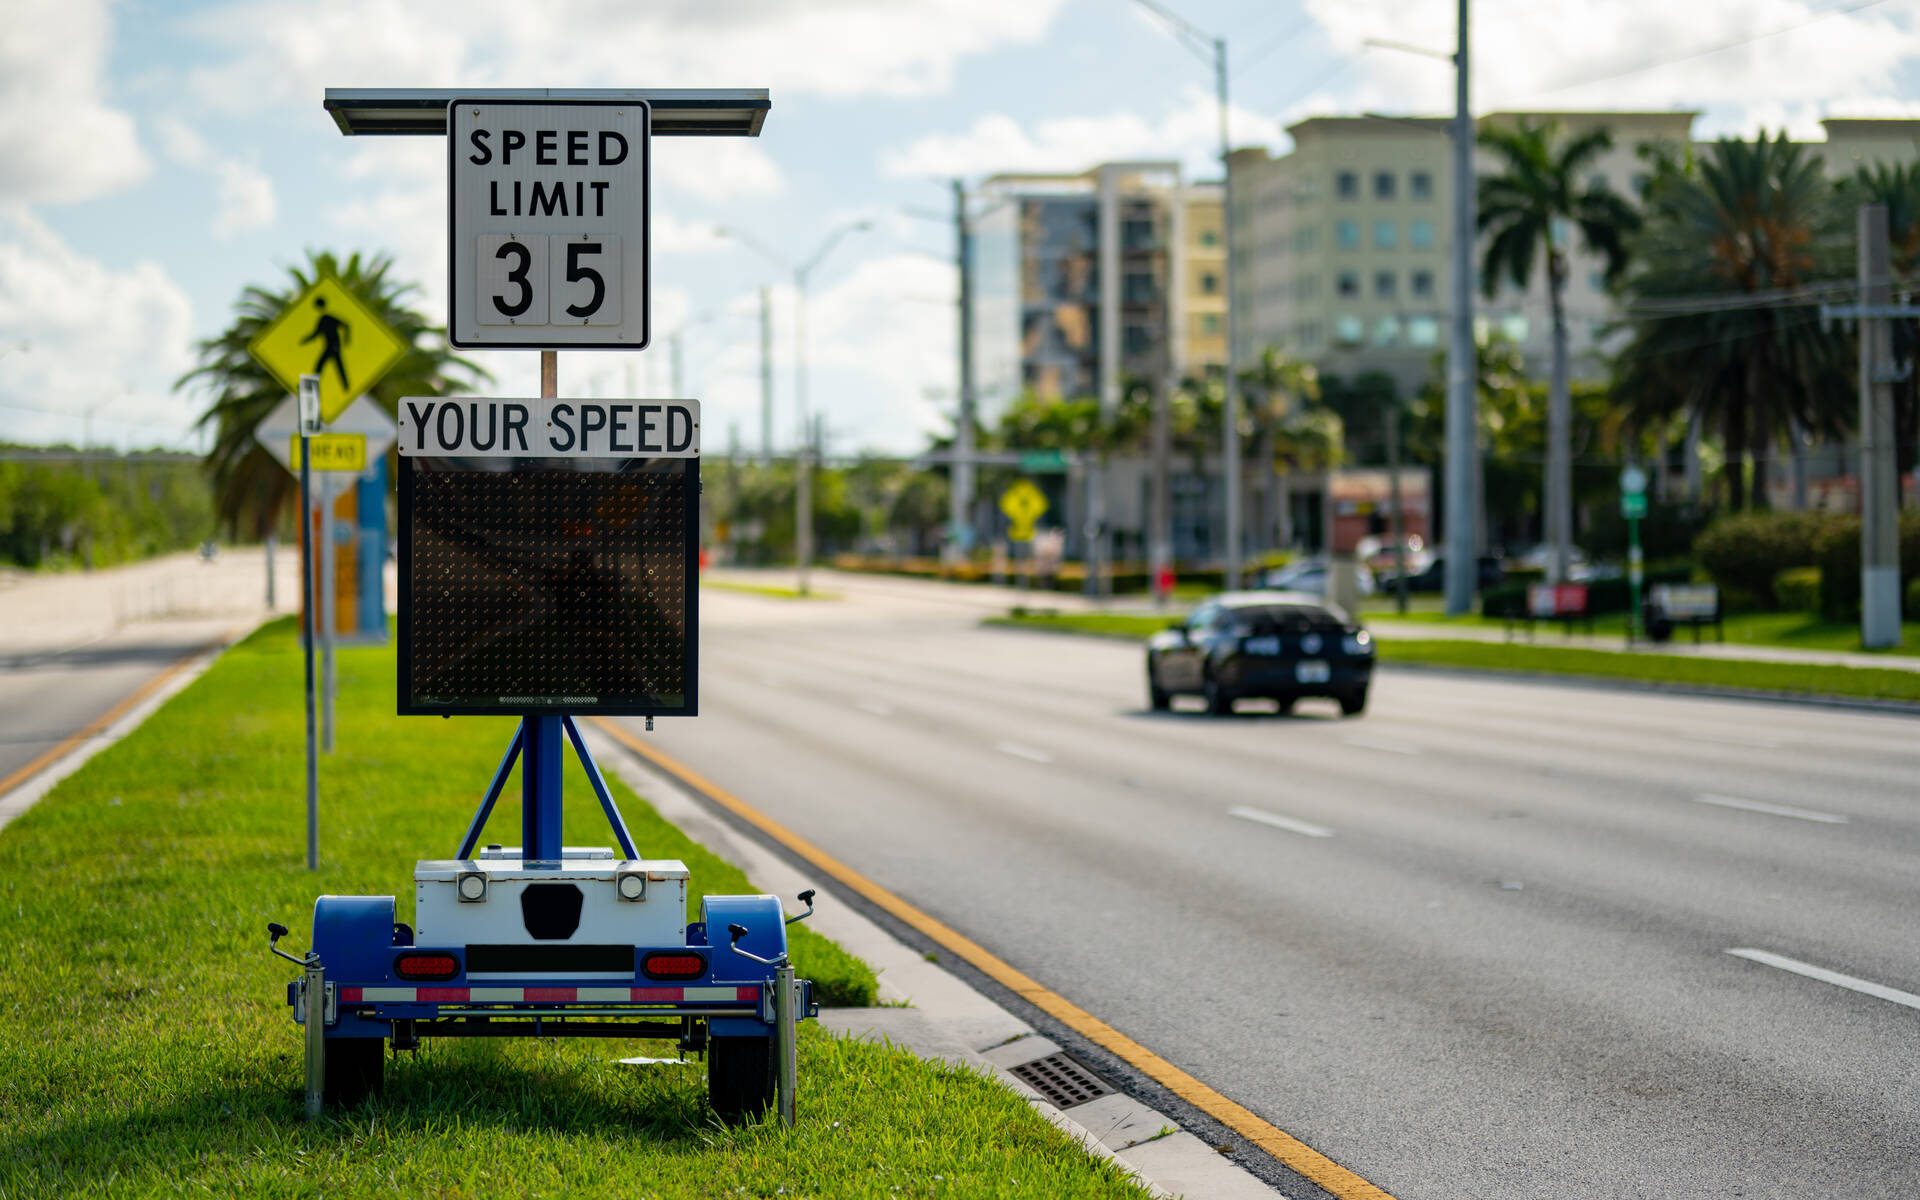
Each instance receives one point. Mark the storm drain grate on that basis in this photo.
(1061, 1080)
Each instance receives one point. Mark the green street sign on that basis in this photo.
(1042, 460)
(1633, 505)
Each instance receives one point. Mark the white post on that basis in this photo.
(1230, 408)
(328, 616)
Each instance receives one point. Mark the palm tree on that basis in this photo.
(1279, 384)
(1527, 208)
(251, 489)
(1724, 295)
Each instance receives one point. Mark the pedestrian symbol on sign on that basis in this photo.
(331, 331)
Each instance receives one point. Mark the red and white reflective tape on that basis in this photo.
(548, 995)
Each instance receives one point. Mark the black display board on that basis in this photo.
(548, 586)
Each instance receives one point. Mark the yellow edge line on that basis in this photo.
(102, 721)
(1296, 1154)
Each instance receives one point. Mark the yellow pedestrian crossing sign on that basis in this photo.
(1023, 503)
(328, 332)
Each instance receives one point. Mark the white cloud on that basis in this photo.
(81, 336)
(244, 196)
(287, 51)
(716, 168)
(59, 138)
(1189, 133)
(1575, 56)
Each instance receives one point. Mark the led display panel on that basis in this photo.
(548, 585)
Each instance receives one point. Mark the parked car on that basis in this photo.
(1431, 575)
(1310, 576)
(1282, 645)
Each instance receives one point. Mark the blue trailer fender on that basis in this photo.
(766, 936)
(354, 937)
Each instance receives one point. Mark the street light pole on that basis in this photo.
(803, 483)
(1230, 416)
(960, 480)
(1462, 554)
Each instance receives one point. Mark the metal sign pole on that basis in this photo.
(309, 399)
(328, 615)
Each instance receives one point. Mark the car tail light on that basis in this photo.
(673, 964)
(438, 965)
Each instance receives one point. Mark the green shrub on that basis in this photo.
(1912, 611)
(1746, 551)
(1839, 561)
(1798, 589)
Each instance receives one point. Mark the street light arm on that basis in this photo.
(833, 239)
(755, 244)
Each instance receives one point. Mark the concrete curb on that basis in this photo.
(25, 795)
(949, 1021)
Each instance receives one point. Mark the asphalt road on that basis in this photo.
(1474, 943)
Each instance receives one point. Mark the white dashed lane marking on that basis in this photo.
(1263, 817)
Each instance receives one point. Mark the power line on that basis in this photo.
(1702, 53)
(1250, 59)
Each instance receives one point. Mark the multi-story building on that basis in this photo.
(1342, 247)
(1080, 280)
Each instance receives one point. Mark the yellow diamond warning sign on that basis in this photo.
(1023, 503)
(328, 332)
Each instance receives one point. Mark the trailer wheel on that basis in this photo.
(739, 1077)
(356, 1069)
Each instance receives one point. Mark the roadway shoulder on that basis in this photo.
(938, 1016)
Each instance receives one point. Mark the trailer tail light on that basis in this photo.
(675, 964)
(426, 966)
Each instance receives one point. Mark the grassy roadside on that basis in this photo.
(1866, 683)
(761, 589)
(145, 1047)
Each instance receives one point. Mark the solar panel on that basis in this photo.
(548, 585)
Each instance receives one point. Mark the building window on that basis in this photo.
(1210, 324)
(1209, 237)
(1346, 234)
(1209, 283)
(1348, 285)
(1139, 289)
(1386, 235)
(1138, 339)
(1137, 235)
(1514, 328)
(1420, 185)
(1346, 185)
(1384, 283)
(1383, 185)
(1422, 284)
(1597, 280)
(1423, 331)
(1348, 330)
(1640, 181)
(1386, 331)
(1420, 235)
(1597, 182)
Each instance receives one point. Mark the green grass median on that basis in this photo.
(145, 1046)
(1680, 670)
(772, 591)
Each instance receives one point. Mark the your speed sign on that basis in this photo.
(547, 224)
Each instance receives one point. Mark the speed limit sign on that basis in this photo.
(548, 224)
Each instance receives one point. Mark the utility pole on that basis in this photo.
(1230, 408)
(960, 477)
(1462, 554)
(673, 359)
(766, 374)
(1879, 485)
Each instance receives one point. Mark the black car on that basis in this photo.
(1433, 576)
(1282, 645)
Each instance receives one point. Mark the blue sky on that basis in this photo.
(156, 158)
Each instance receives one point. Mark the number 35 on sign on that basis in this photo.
(548, 224)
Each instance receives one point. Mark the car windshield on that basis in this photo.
(1289, 618)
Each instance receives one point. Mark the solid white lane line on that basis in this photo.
(1026, 752)
(1263, 817)
(1879, 991)
(1772, 810)
(875, 707)
(1367, 743)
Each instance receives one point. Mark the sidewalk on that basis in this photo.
(46, 614)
